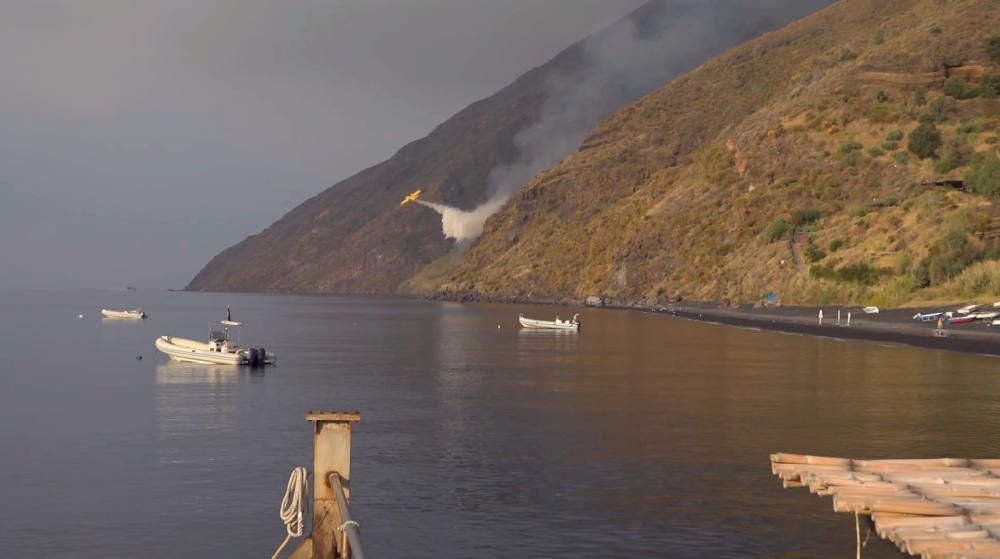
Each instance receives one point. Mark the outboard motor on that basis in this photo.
(253, 357)
(263, 356)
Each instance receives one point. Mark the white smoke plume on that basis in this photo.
(462, 225)
(660, 41)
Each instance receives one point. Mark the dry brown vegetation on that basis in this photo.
(684, 192)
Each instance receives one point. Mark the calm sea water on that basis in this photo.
(642, 436)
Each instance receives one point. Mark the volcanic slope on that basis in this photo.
(821, 163)
(355, 238)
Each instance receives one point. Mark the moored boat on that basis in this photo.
(870, 310)
(986, 315)
(550, 324)
(134, 313)
(219, 350)
(961, 319)
(968, 309)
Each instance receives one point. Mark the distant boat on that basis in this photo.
(988, 315)
(219, 350)
(550, 324)
(130, 288)
(870, 310)
(962, 319)
(995, 324)
(968, 309)
(133, 314)
(930, 317)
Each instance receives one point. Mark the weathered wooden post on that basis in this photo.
(331, 455)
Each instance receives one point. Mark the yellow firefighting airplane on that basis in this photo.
(413, 197)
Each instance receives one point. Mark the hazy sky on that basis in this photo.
(140, 138)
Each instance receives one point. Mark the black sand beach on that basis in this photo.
(890, 325)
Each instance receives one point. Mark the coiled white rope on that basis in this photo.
(291, 511)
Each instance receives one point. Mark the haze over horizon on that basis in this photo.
(139, 139)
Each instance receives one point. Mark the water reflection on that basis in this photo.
(176, 372)
(192, 397)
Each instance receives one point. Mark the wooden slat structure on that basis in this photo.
(937, 508)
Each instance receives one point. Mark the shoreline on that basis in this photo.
(894, 326)
(891, 325)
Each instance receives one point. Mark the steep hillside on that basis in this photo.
(354, 237)
(802, 163)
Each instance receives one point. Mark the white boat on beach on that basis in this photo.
(870, 310)
(132, 314)
(220, 350)
(968, 309)
(550, 324)
(929, 317)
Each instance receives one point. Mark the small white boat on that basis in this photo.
(988, 315)
(219, 350)
(870, 310)
(550, 324)
(134, 314)
(968, 309)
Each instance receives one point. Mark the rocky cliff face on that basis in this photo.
(817, 162)
(354, 237)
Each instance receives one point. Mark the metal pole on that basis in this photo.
(348, 524)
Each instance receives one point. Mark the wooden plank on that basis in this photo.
(942, 546)
(787, 458)
(915, 462)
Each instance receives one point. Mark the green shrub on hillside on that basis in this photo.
(814, 253)
(901, 157)
(956, 153)
(850, 152)
(993, 48)
(836, 245)
(875, 151)
(940, 109)
(976, 280)
(955, 87)
(968, 129)
(890, 146)
(920, 96)
(894, 136)
(903, 262)
(946, 259)
(989, 86)
(925, 140)
(776, 230)
(804, 216)
(984, 177)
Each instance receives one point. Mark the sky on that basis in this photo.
(139, 138)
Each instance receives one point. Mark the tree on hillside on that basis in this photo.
(925, 140)
(955, 87)
(984, 178)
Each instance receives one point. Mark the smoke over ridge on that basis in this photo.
(659, 41)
